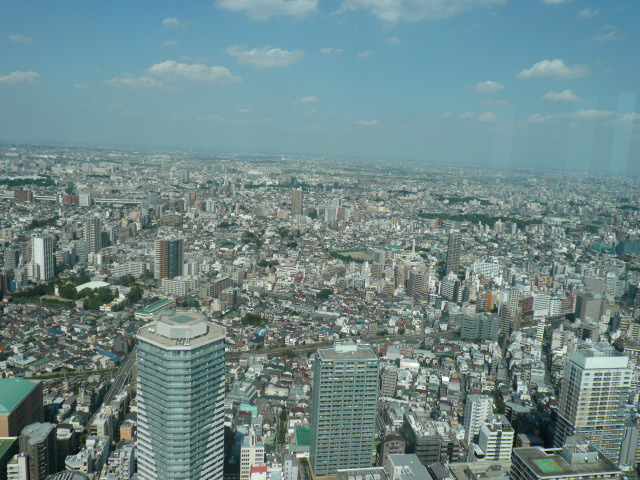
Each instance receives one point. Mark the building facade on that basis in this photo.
(42, 261)
(181, 375)
(344, 410)
(169, 257)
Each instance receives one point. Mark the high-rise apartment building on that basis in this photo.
(169, 257)
(181, 375)
(344, 410)
(595, 387)
(453, 251)
(251, 454)
(297, 201)
(496, 439)
(93, 234)
(42, 262)
(38, 443)
(18, 467)
(477, 409)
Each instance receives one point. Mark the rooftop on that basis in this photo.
(181, 330)
(13, 391)
(347, 352)
(38, 432)
(6, 444)
(91, 285)
(550, 463)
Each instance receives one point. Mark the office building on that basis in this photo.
(477, 409)
(38, 443)
(480, 326)
(93, 234)
(251, 454)
(181, 375)
(169, 257)
(454, 248)
(344, 410)
(596, 384)
(389, 382)
(297, 202)
(42, 261)
(577, 460)
(20, 405)
(496, 439)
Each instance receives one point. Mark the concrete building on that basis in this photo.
(169, 257)
(20, 405)
(297, 202)
(38, 443)
(578, 460)
(93, 234)
(181, 375)
(251, 454)
(42, 261)
(496, 439)
(480, 326)
(344, 410)
(18, 467)
(596, 384)
(477, 409)
(8, 449)
(454, 248)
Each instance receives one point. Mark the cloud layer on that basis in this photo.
(265, 57)
(170, 69)
(265, 9)
(554, 69)
(19, 78)
(488, 87)
(394, 11)
(564, 96)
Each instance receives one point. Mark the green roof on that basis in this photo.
(303, 436)
(5, 445)
(12, 392)
(155, 306)
(548, 466)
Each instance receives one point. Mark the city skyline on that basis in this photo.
(396, 81)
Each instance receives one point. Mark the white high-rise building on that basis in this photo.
(477, 409)
(181, 375)
(18, 467)
(496, 439)
(595, 387)
(42, 261)
(251, 454)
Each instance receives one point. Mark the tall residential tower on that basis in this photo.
(595, 387)
(345, 398)
(181, 375)
(169, 257)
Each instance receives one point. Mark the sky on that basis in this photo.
(548, 84)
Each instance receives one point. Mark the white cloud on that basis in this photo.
(19, 78)
(631, 117)
(265, 9)
(592, 115)
(564, 96)
(555, 69)
(608, 33)
(365, 54)
(394, 11)
(169, 44)
(588, 13)
(309, 99)
(331, 51)
(192, 71)
(173, 23)
(487, 117)
(134, 82)
(467, 116)
(393, 40)
(367, 123)
(244, 110)
(265, 57)
(489, 87)
(20, 39)
(556, 2)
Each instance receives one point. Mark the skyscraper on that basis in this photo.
(596, 384)
(42, 262)
(297, 201)
(181, 375)
(251, 454)
(169, 257)
(453, 252)
(345, 397)
(477, 409)
(93, 234)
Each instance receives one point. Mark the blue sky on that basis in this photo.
(546, 83)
